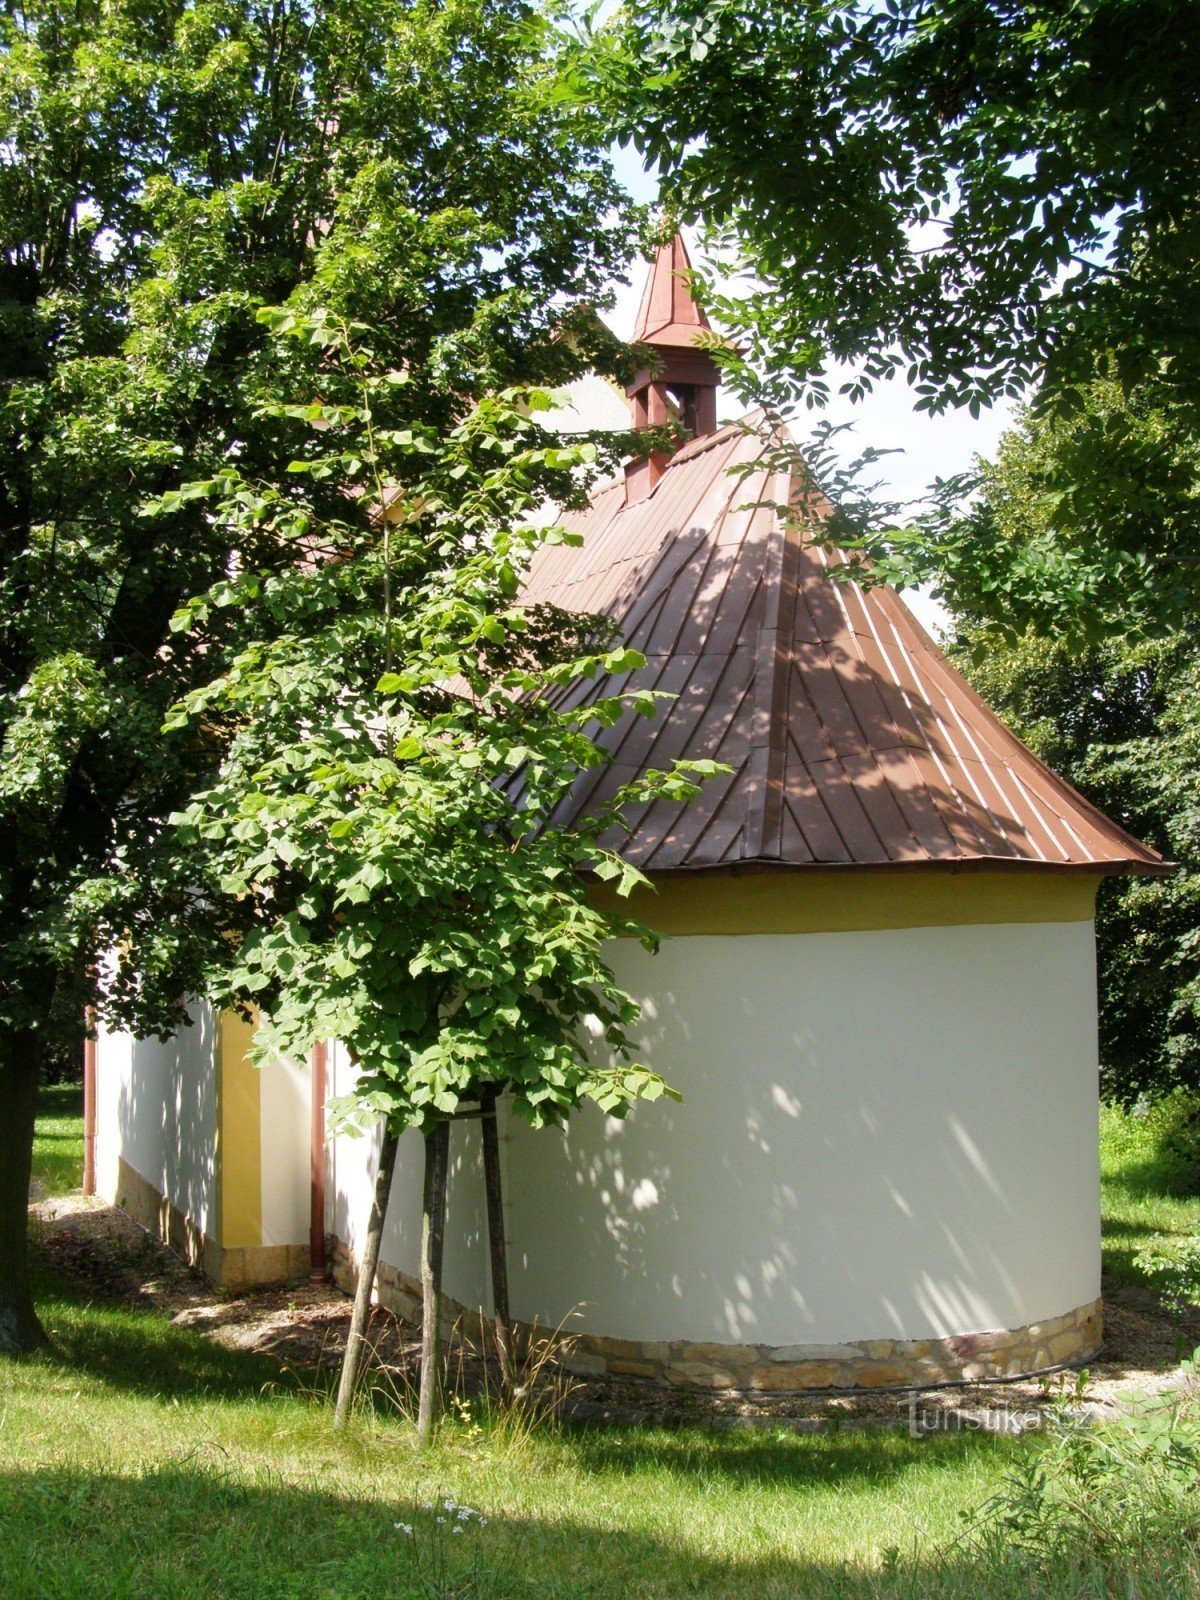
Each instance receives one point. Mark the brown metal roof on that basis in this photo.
(851, 738)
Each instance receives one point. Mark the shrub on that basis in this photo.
(1172, 1268)
(1125, 1493)
(1179, 1122)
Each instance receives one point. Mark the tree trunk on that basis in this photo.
(501, 1325)
(20, 1071)
(433, 1236)
(356, 1340)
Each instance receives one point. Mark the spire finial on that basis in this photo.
(669, 313)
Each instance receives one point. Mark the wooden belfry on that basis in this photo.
(681, 386)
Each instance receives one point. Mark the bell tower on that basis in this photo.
(682, 385)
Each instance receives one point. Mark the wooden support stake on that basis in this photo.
(501, 1324)
(433, 1238)
(89, 1102)
(357, 1338)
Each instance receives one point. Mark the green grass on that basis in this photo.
(1142, 1191)
(143, 1462)
(147, 1462)
(58, 1145)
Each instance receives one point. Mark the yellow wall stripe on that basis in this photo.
(845, 902)
(239, 1149)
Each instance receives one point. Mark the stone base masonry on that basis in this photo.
(778, 1369)
(876, 1364)
(227, 1268)
(865, 1364)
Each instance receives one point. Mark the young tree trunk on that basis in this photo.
(356, 1340)
(501, 1325)
(20, 1071)
(433, 1235)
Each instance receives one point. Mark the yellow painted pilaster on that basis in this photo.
(239, 1146)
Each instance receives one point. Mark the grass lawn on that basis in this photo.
(58, 1144)
(143, 1462)
(1141, 1191)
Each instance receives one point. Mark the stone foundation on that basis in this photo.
(865, 1364)
(227, 1268)
(782, 1369)
(401, 1295)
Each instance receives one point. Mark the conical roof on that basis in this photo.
(852, 740)
(669, 316)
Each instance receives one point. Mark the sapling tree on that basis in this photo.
(380, 827)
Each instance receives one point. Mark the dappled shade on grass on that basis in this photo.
(1143, 1191)
(144, 1461)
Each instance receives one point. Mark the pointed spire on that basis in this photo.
(680, 383)
(669, 313)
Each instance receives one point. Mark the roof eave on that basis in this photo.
(757, 865)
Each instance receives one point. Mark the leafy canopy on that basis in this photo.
(1119, 718)
(985, 196)
(381, 830)
(168, 169)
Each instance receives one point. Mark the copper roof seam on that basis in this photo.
(996, 809)
(787, 538)
(914, 794)
(716, 812)
(820, 797)
(663, 525)
(868, 742)
(696, 585)
(1104, 824)
(799, 827)
(911, 706)
(803, 671)
(771, 669)
(802, 798)
(646, 625)
(945, 732)
(668, 535)
(990, 767)
(682, 732)
(633, 722)
(951, 788)
(715, 552)
(1031, 799)
(831, 793)
(953, 687)
(731, 729)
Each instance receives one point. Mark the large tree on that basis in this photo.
(984, 195)
(165, 170)
(1119, 717)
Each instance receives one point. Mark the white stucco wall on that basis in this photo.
(350, 1184)
(156, 1107)
(883, 1134)
(285, 1100)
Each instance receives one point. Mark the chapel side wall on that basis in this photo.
(156, 1121)
(886, 1137)
(350, 1183)
(285, 1098)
